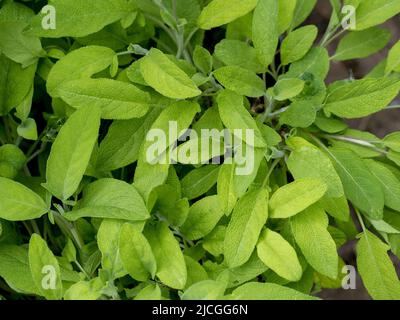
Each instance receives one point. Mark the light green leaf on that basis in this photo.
(248, 218)
(279, 255)
(110, 199)
(79, 19)
(307, 161)
(171, 267)
(18, 203)
(235, 116)
(285, 89)
(393, 61)
(136, 254)
(12, 160)
(220, 12)
(392, 141)
(238, 53)
(376, 269)
(199, 181)
(78, 64)
(226, 187)
(361, 97)
(241, 81)
(268, 291)
(300, 114)
(310, 232)
(302, 11)
(295, 197)
(360, 186)
(203, 60)
(388, 181)
(71, 151)
(286, 12)
(265, 30)
(85, 290)
(45, 269)
(205, 290)
(203, 217)
(370, 13)
(166, 77)
(14, 43)
(297, 44)
(116, 99)
(14, 269)
(361, 44)
(151, 292)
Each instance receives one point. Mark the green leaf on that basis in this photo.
(15, 83)
(205, 290)
(235, 116)
(28, 129)
(122, 143)
(136, 254)
(302, 11)
(393, 61)
(265, 30)
(108, 238)
(226, 187)
(376, 269)
(78, 64)
(315, 62)
(199, 181)
(14, 43)
(307, 161)
(388, 181)
(286, 12)
(85, 290)
(361, 97)
(203, 60)
(79, 19)
(279, 255)
(238, 53)
(268, 291)
(370, 13)
(300, 114)
(71, 151)
(14, 269)
(361, 44)
(241, 81)
(151, 292)
(18, 203)
(392, 141)
(248, 218)
(360, 186)
(286, 89)
(310, 232)
(220, 12)
(110, 199)
(171, 267)
(203, 217)
(166, 77)
(295, 197)
(45, 269)
(297, 44)
(12, 160)
(117, 100)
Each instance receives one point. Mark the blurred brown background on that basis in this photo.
(380, 124)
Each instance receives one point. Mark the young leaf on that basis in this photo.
(364, 97)
(300, 114)
(203, 60)
(116, 99)
(310, 232)
(71, 151)
(376, 268)
(286, 12)
(279, 255)
(136, 254)
(199, 181)
(226, 187)
(295, 197)
(18, 203)
(166, 77)
(171, 267)
(297, 44)
(361, 44)
(220, 12)
(393, 61)
(241, 81)
(110, 199)
(203, 217)
(45, 269)
(265, 30)
(286, 89)
(205, 290)
(392, 141)
(371, 13)
(302, 11)
(248, 218)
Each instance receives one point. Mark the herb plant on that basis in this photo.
(85, 215)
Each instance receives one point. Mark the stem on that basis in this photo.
(360, 219)
(394, 107)
(268, 109)
(274, 164)
(364, 143)
(69, 229)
